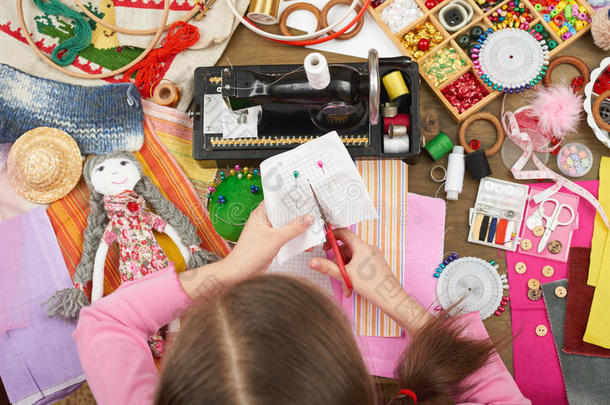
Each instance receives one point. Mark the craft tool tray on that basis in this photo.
(283, 126)
(481, 17)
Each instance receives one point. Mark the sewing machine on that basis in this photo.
(253, 112)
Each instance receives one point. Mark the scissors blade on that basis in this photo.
(315, 197)
(544, 239)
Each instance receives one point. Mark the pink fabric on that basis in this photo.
(536, 364)
(424, 249)
(112, 337)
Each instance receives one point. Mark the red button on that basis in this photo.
(132, 206)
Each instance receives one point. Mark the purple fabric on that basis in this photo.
(537, 369)
(35, 360)
(424, 249)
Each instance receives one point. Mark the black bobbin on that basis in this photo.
(477, 164)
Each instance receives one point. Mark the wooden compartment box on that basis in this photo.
(480, 18)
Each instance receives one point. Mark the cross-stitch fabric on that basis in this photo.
(106, 52)
(101, 119)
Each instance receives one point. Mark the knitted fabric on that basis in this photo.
(101, 119)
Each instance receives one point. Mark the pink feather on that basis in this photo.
(558, 110)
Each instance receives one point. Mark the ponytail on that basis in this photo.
(436, 361)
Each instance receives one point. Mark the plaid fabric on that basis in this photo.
(69, 215)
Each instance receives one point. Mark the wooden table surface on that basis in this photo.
(247, 48)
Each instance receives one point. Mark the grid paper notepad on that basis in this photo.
(386, 183)
(324, 165)
(298, 266)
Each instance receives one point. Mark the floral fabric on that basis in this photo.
(131, 226)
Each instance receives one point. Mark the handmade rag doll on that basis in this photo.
(119, 191)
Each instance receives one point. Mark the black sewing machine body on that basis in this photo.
(292, 112)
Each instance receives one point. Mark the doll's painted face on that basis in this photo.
(115, 175)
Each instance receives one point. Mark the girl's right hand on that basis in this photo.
(373, 279)
(365, 265)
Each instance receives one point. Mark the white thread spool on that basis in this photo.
(395, 145)
(316, 69)
(455, 173)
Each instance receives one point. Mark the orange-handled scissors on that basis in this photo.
(332, 241)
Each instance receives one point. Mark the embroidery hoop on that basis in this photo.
(487, 117)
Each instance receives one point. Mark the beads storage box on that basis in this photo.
(284, 111)
(445, 57)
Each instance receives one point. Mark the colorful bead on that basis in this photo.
(501, 309)
(423, 44)
(240, 175)
(249, 176)
(246, 170)
(255, 171)
(497, 313)
(437, 275)
(442, 266)
(221, 199)
(211, 189)
(232, 172)
(492, 262)
(474, 144)
(237, 168)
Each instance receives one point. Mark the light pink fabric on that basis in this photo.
(536, 364)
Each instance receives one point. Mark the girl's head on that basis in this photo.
(268, 340)
(278, 340)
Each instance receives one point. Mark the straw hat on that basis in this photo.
(44, 164)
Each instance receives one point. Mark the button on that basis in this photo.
(538, 230)
(520, 268)
(534, 295)
(533, 284)
(554, 247)
(541, 330)
(526, 244)
(561, 292)
(548, 271)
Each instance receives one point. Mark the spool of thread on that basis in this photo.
(397, 131)
(455, 173)
(316, 69)
(395, 85)
(400, 119)
(477, 164)
(396, 145)
(390, 110)
(439, 146)
(264, 11)
(166, 94)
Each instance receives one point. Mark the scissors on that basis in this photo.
(332, 241)
(553, 220)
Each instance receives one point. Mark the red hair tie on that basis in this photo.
(409, 393)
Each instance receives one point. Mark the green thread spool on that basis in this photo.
(439, 146)
(82, 31)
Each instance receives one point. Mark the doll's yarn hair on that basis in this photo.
(67, 303)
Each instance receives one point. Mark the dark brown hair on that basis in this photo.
(278, 340)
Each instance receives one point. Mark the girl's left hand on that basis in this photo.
(260, 242)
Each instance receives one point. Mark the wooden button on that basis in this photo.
(554, 247)
(520, 268)
(561, 291)
(534, 295)
(538, 230)
(526, 244)
(533, 284)
(541, 330)
(548, 271)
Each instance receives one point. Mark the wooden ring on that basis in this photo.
(570, 60)
(482, 116)
(294, 7)
(350, 34)
(596, 107)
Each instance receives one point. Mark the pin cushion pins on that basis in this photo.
(231, 200)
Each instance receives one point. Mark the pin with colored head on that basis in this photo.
(321, 165)
(295, 174)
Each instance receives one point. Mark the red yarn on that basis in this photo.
(150, 70)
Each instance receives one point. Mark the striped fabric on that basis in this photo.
(175, 130)
(386, 182)
(69, 215)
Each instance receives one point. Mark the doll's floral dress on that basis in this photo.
(131, 226)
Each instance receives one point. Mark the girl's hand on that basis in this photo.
(259, 242)
(372, 278)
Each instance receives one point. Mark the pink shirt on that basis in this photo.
(112, 339)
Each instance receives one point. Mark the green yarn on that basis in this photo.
(228, 219)
(82, 31)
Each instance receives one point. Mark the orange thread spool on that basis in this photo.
(166, 94)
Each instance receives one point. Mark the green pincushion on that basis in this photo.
(229, 218)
